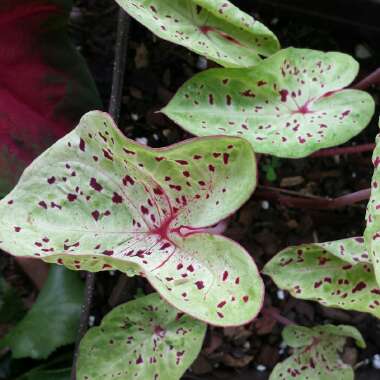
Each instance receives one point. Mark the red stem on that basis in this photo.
(373, 78)
(311, 202)
(344, 150)
(274, 314)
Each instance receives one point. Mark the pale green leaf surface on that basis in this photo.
(336, 274)
(98, 201)
(372, 232)
(145, 339)
(213, 28)
(316, 353)
(290, 105)
(52, 321)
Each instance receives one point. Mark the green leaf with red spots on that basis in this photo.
(372, 232)
(213, 28)
(316, 353)
(145, 339)
(45, 85)
(336, 274)
(98, 201)
(290, 105)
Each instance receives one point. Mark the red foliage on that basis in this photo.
(41, 76)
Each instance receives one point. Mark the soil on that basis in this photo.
(155, 70)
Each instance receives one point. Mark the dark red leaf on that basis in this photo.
(44, 84)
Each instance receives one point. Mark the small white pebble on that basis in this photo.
(247, 345)
(315, 237)
(261, 368)
(134, 116)
(275, 21)
(362, 52)
(280, 294)
(376, 361)
(75, 13)
(353, 175)
(282, 347)
(265, 205)
(155, 136)
(142, 140)
(202, 63)
(91, 320)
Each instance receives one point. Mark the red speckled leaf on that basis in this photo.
(213, 28)
(145, 339)
(45, 86)
(372, 232)
(290, 105)
(98, 201)
(336, 274)
(316, 353)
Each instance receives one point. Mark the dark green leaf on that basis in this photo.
(11, 306)
(54, 374)
(52, 321)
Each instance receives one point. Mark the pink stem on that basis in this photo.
(315, 203)
(349, 199)
(273, 313)
(344, 150)
(218, 229)
(373, 78)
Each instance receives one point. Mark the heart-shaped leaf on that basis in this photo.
(45, 85)
(290, 105)
(337, 274)
(55, 313)
(213, 28)
(372, 232)
(145, 339)
(98, 201)
(316, 353)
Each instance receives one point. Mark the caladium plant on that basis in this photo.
(290, 105)
(213, 28)
(98, 201)
(316, 353)
(145, 339)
